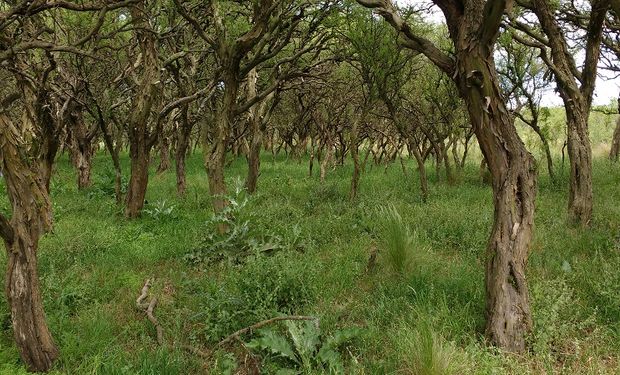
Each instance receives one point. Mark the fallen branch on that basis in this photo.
(262, 324)
(145, 291)
(149, 309)
(153, 319)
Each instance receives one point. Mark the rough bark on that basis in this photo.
(259, 114)
(31, 218)
(138, 182)
(514, 191)
(580, 157)
(164, 155)
(81, 147)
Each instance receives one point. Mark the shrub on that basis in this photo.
(242, 238)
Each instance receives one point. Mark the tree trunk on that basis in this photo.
(136, 191)
(446, 159)
(253, 164)
(141, 140)
(614, 153)
(32, 336)
(327, 160)
(354, 147)
(80, 145)
(514, 191)
(215, 154)
(311, 162)
(114, 151)
(474, 28)
(84, 166)
(421, 171)
(548, 156)
(180, 156)
(255, 118)
(580, 158)
(31, 217)
(164, 155)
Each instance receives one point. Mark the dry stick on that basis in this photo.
(149, 308)
(151, 317)
(262, 324)
(143, 295)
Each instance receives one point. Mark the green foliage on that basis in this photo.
(104, 184)
(304, 348)
(242, 237)
(160, 210)
(263, 288)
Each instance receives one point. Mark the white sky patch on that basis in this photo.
(607, 85)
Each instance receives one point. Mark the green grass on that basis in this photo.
(95, 262)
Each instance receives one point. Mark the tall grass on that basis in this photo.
(396, 239)
(425, 352)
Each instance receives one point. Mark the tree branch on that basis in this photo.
(387, 10)
(492, 16)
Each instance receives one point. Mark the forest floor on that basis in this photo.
(313, 249)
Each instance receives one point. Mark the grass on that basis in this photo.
(94, 263)
(396, 240)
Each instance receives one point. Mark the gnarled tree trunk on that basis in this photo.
(514, 192)
(164, 155)
(580, 157)
(31, 218)
(140, 139)
(82, 149)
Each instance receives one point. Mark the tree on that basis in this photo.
(24, 41)
(269, 27)
(147, 85)
(473, 26)
(576, 87)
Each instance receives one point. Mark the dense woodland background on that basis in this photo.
(308, 187)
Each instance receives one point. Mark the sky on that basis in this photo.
(607, 86)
